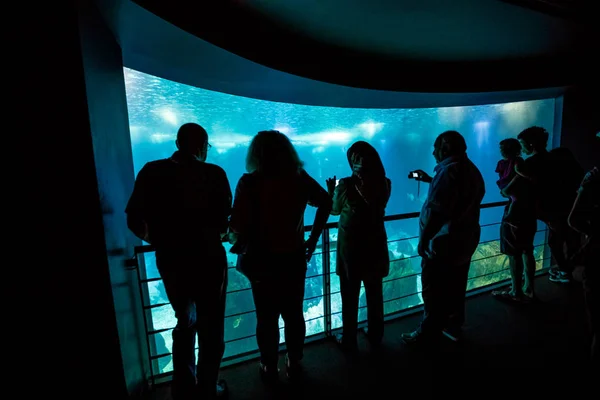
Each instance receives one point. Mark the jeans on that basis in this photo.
(350, 293)
(280, 294)
(563, 242)
(196, 284)
(444, 290)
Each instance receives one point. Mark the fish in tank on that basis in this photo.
(403, 137)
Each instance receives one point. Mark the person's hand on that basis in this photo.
(421, 176)
(146, 235)
(590, 175)
(232, 237)
(422, 248)
(331, 184)
(311, 245)
(356, 161)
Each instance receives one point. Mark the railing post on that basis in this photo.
(326, 261)
(142, 300)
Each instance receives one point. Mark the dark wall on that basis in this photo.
(581, 123)
(67, 334)
(109, 127)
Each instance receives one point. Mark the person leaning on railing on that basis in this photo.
(180, 206)
(267, 232)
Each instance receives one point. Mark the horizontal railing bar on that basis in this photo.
(158, 278)
(331, 225)
(399, 240)
(327, 296)
(384, 280)
(391, 316)
(469, 279)
(157, 356)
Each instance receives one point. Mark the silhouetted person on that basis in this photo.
(362, 251)
(449, 235)
(518, 226)
(555, 178)
(267, 225)
(180, 205)
(585, 218)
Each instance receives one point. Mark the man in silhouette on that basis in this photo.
(449, 235)
(585, 218)
(555, 176)
(180, 205)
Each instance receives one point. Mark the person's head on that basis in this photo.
(510, 148)
(192, 139)
(533, 139)
(363, 157)
(449, 144)
(272, 153)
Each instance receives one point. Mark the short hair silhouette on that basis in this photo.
(452, 142)
(272, 153)
(511, 147)
(191, 137)
(535, 136)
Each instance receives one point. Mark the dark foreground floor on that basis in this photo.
(504, 345)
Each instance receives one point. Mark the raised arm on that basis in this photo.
(521, 169)
(421, 176)
(319, 198)
(510, 189)
(339, 198)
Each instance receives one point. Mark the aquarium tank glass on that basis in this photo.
(404, 139)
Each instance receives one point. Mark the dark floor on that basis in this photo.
(547, 338)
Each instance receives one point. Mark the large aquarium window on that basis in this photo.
(404, 139)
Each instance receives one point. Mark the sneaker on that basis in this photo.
(269, 375)
(417, 337)
(374, 341)
(553, 271)
(293, 369)
(222, 389)
(347, 346)
(560, 277)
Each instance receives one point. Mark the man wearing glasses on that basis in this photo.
(180, 205)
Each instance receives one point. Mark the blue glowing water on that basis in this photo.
(404, 139)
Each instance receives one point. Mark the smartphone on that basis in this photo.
(415, 174)
(337, 182)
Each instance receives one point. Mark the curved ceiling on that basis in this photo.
(152, 45)
(435, 30)
(407, 45)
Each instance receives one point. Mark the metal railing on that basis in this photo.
(241, 348)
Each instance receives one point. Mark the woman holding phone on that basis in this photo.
(362, 252)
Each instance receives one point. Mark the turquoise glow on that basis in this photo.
(404, 139)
